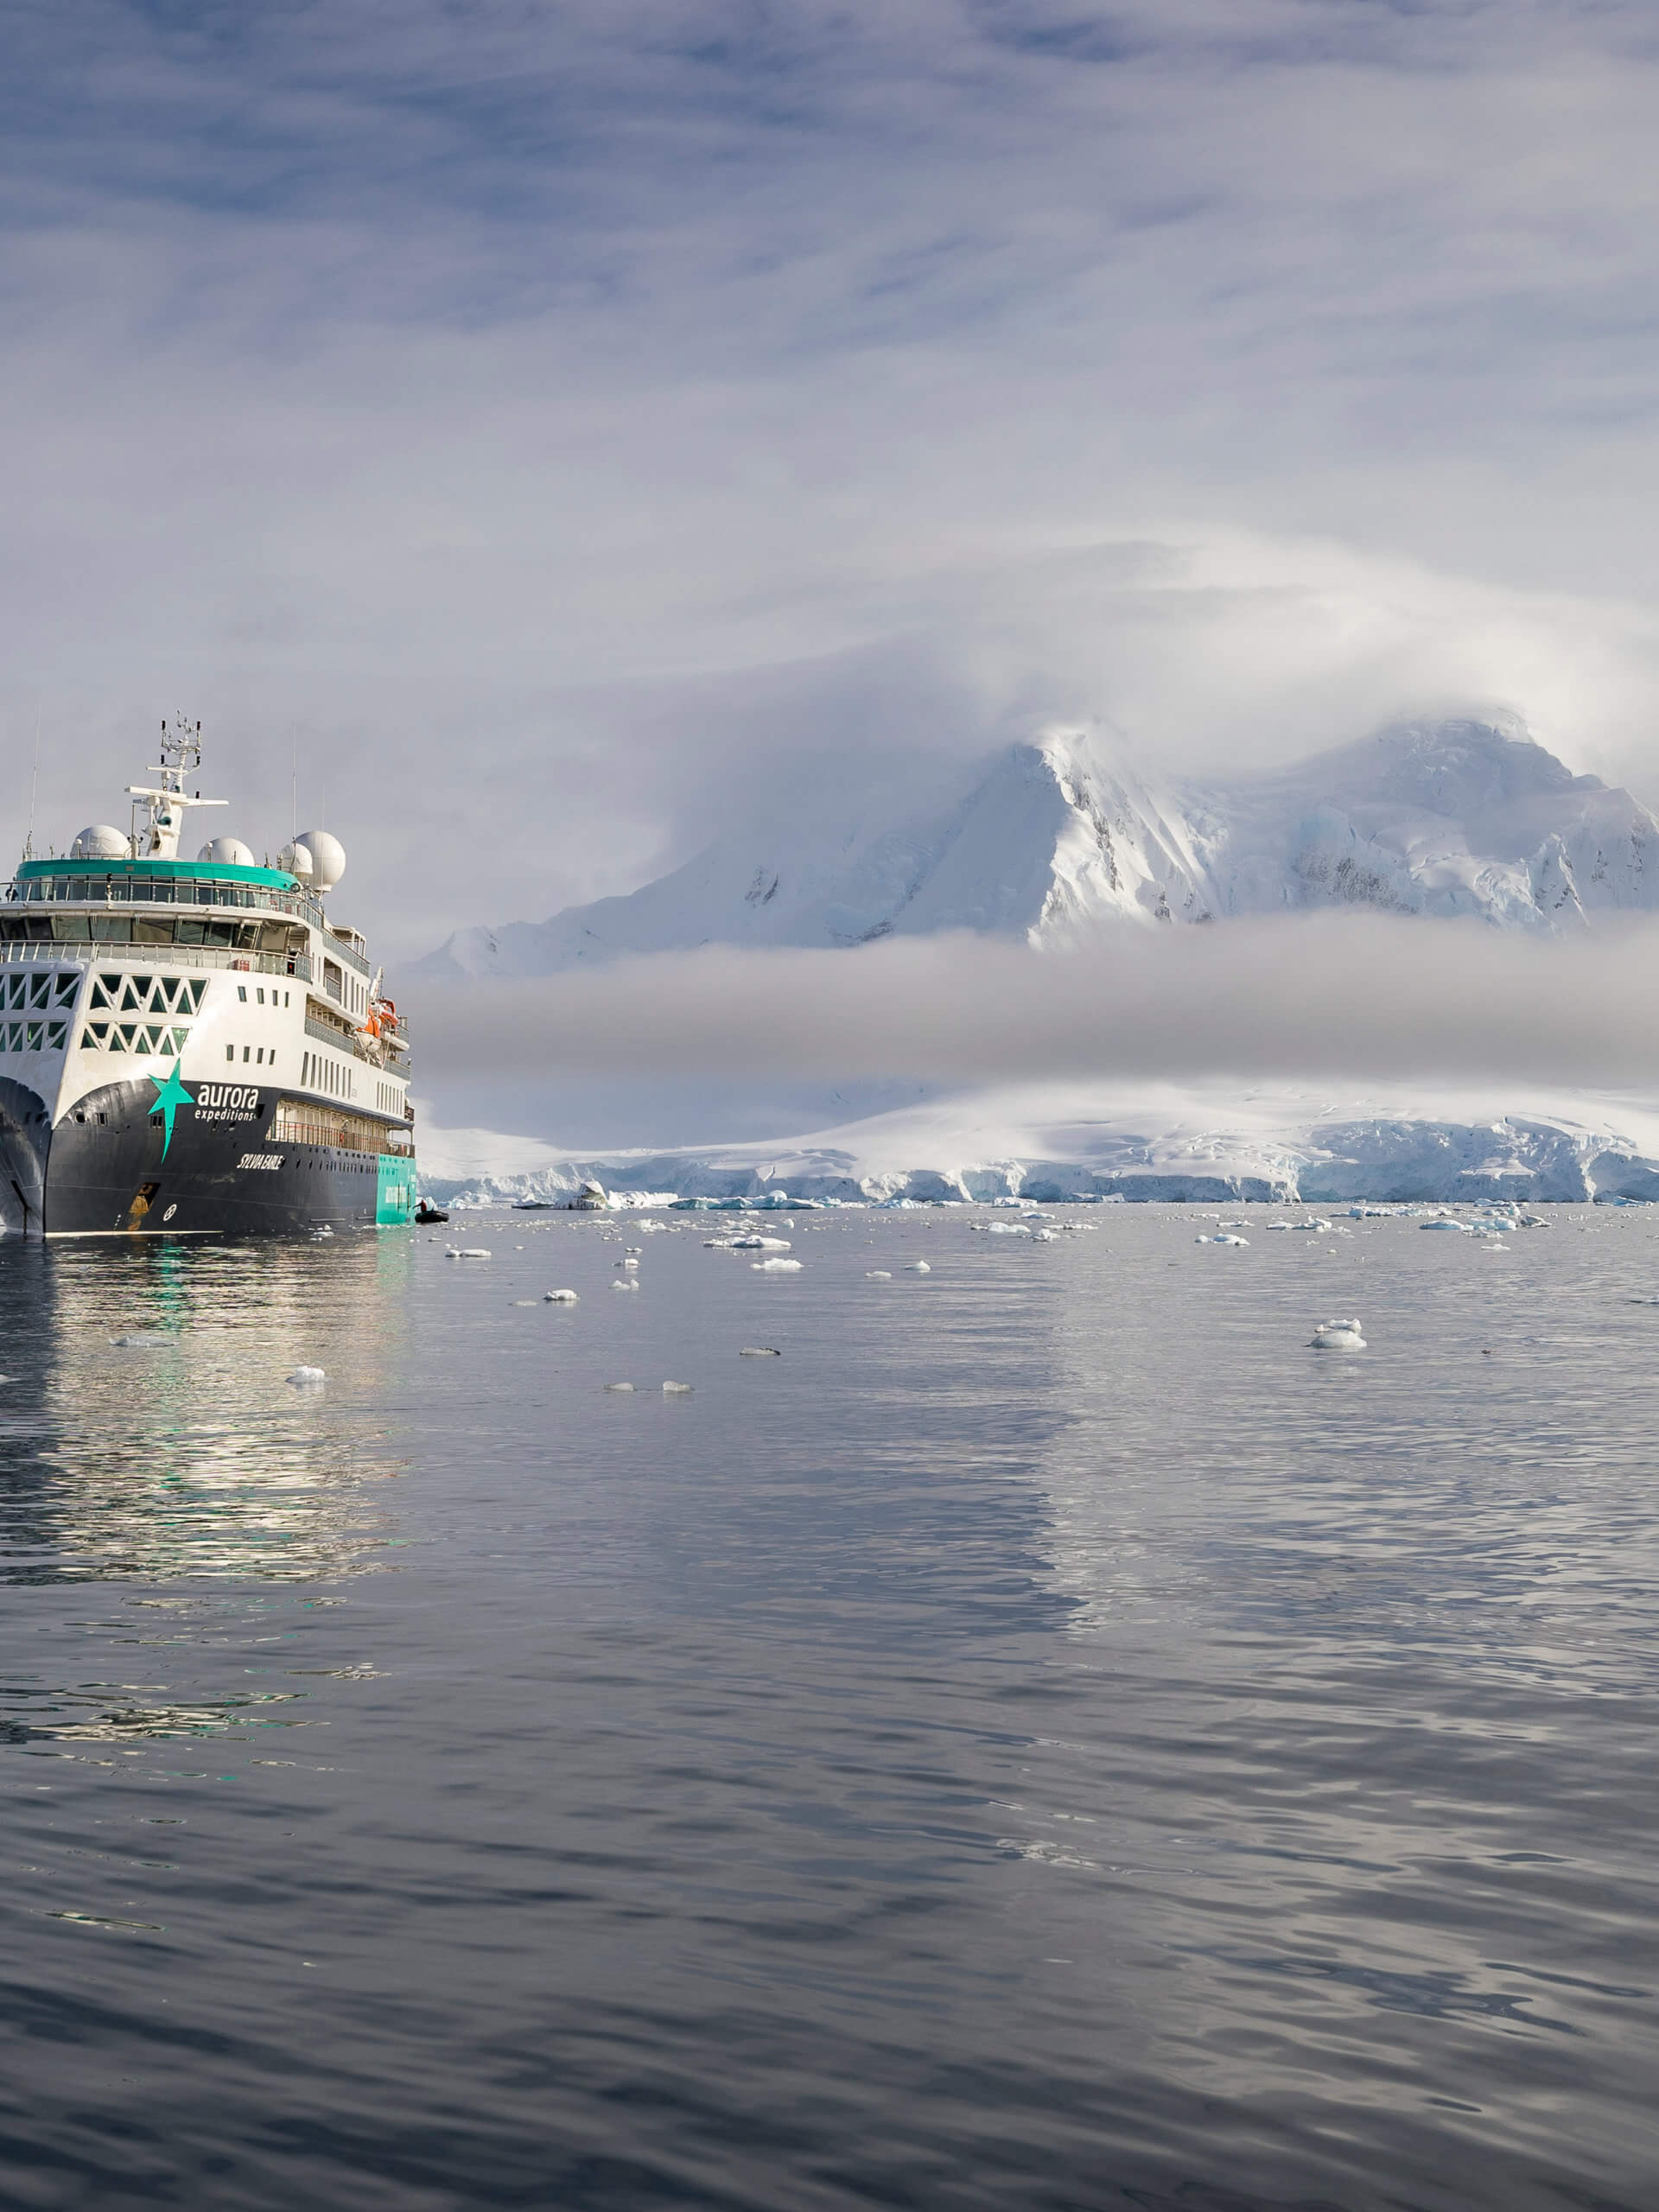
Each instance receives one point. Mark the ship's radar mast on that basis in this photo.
(158, 838)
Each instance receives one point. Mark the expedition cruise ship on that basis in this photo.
(193, 1047)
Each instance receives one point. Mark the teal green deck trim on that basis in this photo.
(197, 871)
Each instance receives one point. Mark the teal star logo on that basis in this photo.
(169, 1096)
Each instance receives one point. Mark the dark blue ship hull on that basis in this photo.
(112, 1167)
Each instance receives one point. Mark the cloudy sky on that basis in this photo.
(548, 420)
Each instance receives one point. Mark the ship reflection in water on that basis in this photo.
(183, 1457)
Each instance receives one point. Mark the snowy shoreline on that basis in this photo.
(1055, 1144)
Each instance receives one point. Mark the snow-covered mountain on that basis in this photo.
(1061, 833)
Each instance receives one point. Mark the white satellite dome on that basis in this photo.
(101, 842)
(229, 852)
(327, 857)
(296, 859)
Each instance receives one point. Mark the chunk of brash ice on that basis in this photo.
(560, 1298)
(759, 1351)
(676, 1389)
(618, 1386)
(467, 1252)
(776, 1266)
(919, 1267)
(307, 1378)
(625, 1282)
(1338, 1335)
(760, 1245)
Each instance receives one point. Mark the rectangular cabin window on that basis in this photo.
(230, 1052)
(111, 929)
(152, 929)
(260, 995)
(71, 929)
(246, 1050)
(333, 979)
(242, 992)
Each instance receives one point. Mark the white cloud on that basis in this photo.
(545, 417)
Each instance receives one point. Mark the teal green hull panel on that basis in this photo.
(395, 1197)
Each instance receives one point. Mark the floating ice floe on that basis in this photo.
(919, 1267)
(1338, 1335)
(760, 1244)
(759, 1351)
(525, 1301)
(560, 1298)
(307, 1378)
(878, 1275)
(625, 1283)
(1221, 1236)
(618, 1386)
(775, 1267)
(676, 1389)
(466, 1252)
(628, 1263)
(1043, 1237)
(1457, 1228)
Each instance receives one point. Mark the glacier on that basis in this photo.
(1061, 833)
(1222, 1142)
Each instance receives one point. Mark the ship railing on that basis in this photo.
(164, 891)
(182, 891)
(365, 1048)
(297, 965)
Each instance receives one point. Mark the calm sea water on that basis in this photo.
(1049, 1739)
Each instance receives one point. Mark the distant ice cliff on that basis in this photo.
(1274, 1143)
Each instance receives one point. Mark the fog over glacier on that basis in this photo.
(1326, 995)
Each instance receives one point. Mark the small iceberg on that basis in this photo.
(878, 1275)
(759, 1351)
(919, 1267)
(1223, 1237)
(1457, 1228)
(560, 1298)
(307, 1378)
(676, 1389)
(758, 1243)
(618, 1386)
(1338, 1335)
(466, 1252)
(625, 1282)
(775, 1267)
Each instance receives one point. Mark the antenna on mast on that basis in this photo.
(34, 787)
